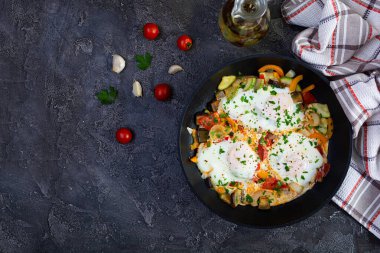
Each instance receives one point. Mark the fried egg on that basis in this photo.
(268, 108)
(227, 161)
(295, 158)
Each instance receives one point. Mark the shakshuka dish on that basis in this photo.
(263, 141)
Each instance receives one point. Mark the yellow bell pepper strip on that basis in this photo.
(232, 124)
(275, 68)
(295, 81)
(308, 88)
(319, 136)
(195, 144)
(262, 174)
(194, 159)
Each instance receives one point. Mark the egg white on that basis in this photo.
(295, 158)
(268, 108)
(226, 162)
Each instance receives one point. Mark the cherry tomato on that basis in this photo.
(162, 91)
(151, 31)
(308, 98)
(184, 42)
(124, 135)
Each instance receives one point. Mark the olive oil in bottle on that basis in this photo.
(244, 22)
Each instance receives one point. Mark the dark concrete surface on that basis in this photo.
(66, 185)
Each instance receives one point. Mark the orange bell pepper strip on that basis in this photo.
(308, 88)
(275, 68)
(194, 159)
(295, 81)
(319, 136)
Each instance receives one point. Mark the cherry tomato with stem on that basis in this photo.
(124, 135)
(184, 42)
(151, 31)
(162, 91)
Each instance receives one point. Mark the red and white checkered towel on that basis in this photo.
(343, 38)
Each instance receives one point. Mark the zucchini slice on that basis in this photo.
(286, 80)
(226, 82)
(321, 109)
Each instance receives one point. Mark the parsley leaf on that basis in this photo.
(143, 61)
(107, 97)
(249, 198)
(221, 151)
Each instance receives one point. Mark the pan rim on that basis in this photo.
(225, 217)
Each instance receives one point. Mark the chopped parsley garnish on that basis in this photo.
(271, 102)
(249, 198)
(286, 179)
(244, 99)
(220, 183)
(249, 140)
(278, 121)
(302, 177)
(243, 162)
(233, 183)
(221, 151)
(286, 166)
(298, 108)
(285, 138)
(273, 92)
(316, 161)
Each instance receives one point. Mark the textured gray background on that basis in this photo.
(66, 185)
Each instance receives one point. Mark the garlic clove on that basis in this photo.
(175, 69)
(190, 130)
(118, 63)
(137, 89)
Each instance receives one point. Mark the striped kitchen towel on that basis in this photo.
(342, 39)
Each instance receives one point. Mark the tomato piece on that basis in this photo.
(124, 135)
(207, 121)
(151, 31)
(270, 183)
(184, 42)
(269, 139)
(262, 152)
(319, 148)
(308, 98)
(258, 167)
(322, 172)
(162, 91)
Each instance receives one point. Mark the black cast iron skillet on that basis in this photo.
(339, 148)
